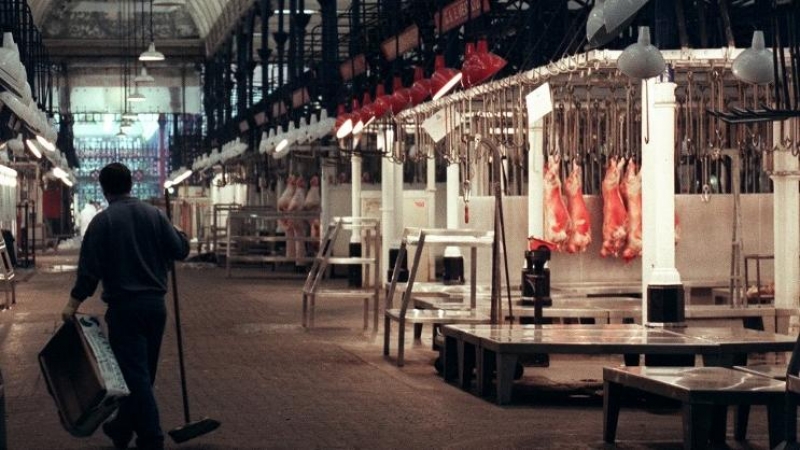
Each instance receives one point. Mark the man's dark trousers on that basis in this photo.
(136, 328)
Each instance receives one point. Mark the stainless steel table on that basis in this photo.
(705, 393)
(497, 347)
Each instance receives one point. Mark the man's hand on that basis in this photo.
(70, 309)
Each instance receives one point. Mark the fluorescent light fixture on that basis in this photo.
(67, 181)
(179, 176)
(34, 148)
(46, 144)
(151, 54)
(345, 128)
(59, 172)
(289, 11)
(168, 3)
(444, 79)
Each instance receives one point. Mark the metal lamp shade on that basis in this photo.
(642, 59)
(421, 89)
(151, 54)
(444, 79)
(144, 77)
(617, 12)
(597, 33)
(365, 116)
(754, 65)
(480, 66)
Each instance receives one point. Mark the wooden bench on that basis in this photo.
(705, 392)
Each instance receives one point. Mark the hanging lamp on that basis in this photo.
(480, 65)
(144, 77)
(421, 88)
(642, 59)
(401, 96)
(136, 96)
(168, 3)
(754, 65)
(444, 79)
(366, 116)
(151, 54)
(617, 12)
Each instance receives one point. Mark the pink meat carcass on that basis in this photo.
(580, 230)
(556, 217)
(633, 190)
(283, 205)
(312, 203)
(300, 227)
(615, 217)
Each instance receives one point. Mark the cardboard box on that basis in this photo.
(82, 375)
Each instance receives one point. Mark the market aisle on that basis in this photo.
(273, 384)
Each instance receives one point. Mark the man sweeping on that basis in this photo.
(129, 246)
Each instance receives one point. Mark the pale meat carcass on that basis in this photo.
(556, 217)
(633, 192)
(615, 217)
(300, 227)
(283, 206)
(580, 230)
(312, 203)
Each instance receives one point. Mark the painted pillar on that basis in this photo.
(325, 198)
(536, 179)
(662, 293)
(355, 199)
(785, 220)
(386, 143)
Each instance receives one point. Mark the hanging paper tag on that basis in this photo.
(438, 125)
(539, 103)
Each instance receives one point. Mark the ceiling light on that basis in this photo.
(144, 77)
(618, 12)
(481, 65)
(421, 89)
(168, 3)
(444, 79)
(641, 60)
(34, 148)
(45, 143)
(135, 96)
(151, 54)
(365, 116)
(130, 116)
(754, 65)
(401, 96)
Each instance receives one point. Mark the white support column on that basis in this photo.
(430, 189)
(386, 142)
(399, 223)
(536, 179)
(355, 199)
(786, 220)
(325, 198)
(658, 187)
(453, 202)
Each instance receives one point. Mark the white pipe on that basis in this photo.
(386, 142)
(399, 223)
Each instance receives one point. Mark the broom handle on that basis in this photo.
(177, 308)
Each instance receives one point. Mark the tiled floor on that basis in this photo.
(273, 384)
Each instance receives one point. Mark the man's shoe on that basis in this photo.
(119, 439)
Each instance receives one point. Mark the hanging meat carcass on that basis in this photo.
(677, 228)
(300, 227)
(615, 217)
(556, 217)
(580, 230)
(283, 206)
(312, 203)
(633, 192)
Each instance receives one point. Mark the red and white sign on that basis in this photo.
(457, 13)
(400, 44)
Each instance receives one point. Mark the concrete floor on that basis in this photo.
(273, 384)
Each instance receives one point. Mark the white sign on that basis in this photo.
(539, 103)
(440, 124)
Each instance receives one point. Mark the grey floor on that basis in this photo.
(273, 384)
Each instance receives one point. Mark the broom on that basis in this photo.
(189, 430)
